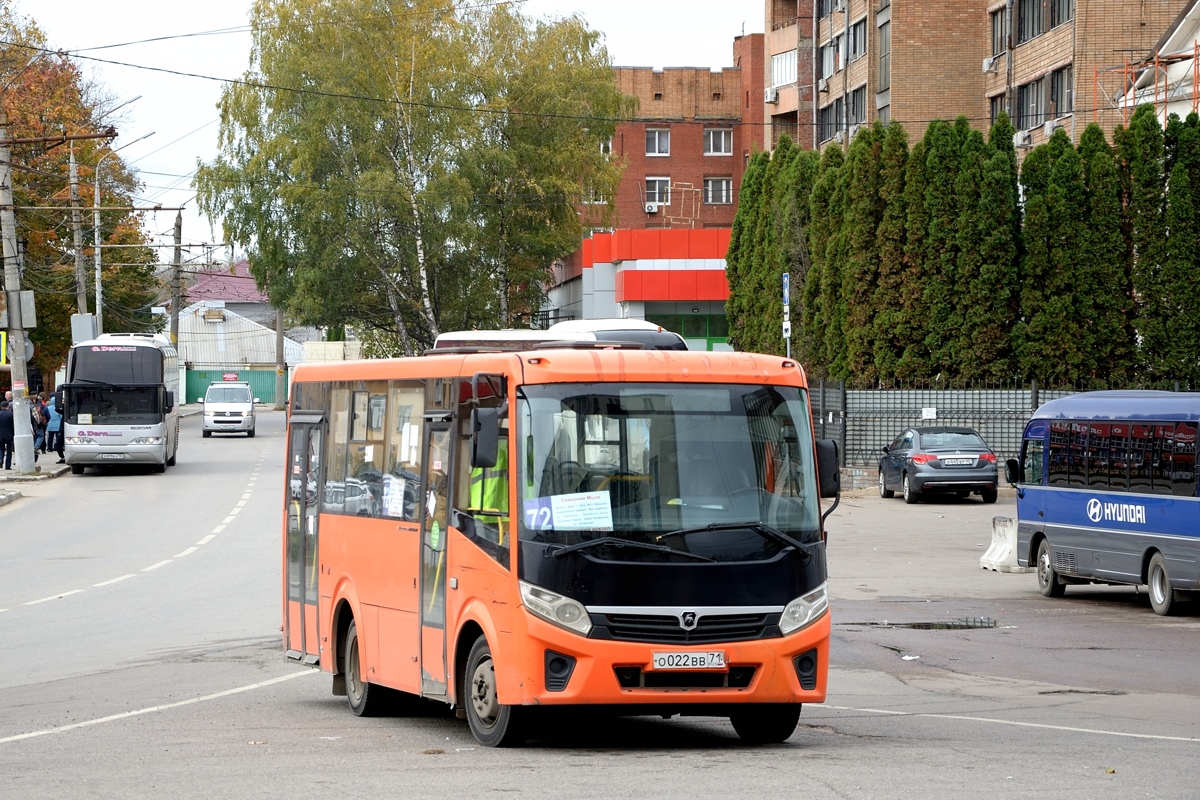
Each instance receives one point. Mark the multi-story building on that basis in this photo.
(1067, 64)
(1168, 76)
(789, 79)
(685, 154)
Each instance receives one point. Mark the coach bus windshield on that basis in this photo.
(116, 364)
(105, 405)
(720, 472)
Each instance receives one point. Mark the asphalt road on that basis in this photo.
(139, 657)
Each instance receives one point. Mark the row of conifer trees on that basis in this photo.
(945, 260)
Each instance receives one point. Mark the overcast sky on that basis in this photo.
(181, 111)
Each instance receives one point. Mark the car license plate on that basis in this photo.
(958, 462)
(713, 659)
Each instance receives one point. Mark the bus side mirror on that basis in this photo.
(485, 437)
(170, 400)
(1012, 471)
(829, 478)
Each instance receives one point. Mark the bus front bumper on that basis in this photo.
(621, 674)
(113, 455)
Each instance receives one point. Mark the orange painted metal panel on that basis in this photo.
(706, 244)
(646, 244)
(588, 250)
(622, 245)
(602, 248)
(674, 243)
(682, 285)
(711, 284)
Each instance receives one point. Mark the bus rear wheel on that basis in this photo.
(493, 724)
(77, 469)
(365, 699)
(766, 724)
(1162, 596)
(1048, 580)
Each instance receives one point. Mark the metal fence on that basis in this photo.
(873, 417)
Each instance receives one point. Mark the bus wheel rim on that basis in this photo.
(1044, 567)
(353, 684)
(483, 692)
(1156, 586)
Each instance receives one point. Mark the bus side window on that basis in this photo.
(1183, 461)
(1031, 461)
(1060, 434)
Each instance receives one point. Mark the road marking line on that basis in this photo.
(2, 610)
(211, 536)
(233, 512)
(187, 552)
(246, 496)
(114, 580)
(156, 566)
(227, 520)
(1018, 724)
(240, 504)
(140, 711)
(52, 597)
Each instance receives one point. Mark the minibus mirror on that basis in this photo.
(485, 436)
(170, 400)
(829, 479)
(199, 399)
(1012, 471)
(257, 400)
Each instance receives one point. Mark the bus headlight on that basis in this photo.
(556, 609)
(804, 610)
(148, 440)
(80, 440)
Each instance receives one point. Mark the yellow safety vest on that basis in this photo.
(489, 491)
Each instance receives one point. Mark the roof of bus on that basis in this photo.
(1123, 405)
(155, 340)
(571, 366)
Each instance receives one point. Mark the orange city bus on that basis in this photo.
(631, 531)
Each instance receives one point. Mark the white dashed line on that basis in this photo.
(156, 566)
(210, 537)
(140, 711)
(240, 504)
(187, 552)
(227, 520)
(2, 610)
(53, 597)
(245, 497)
(217, 529)
(114, 580)
(234, 512)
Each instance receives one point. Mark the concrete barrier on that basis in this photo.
(1002, 555)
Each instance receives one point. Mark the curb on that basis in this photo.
(8, 496)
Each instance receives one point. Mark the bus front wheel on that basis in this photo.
(1162, 596)
(365, 699)
(766, 724)
(1048, 580)
(493, 724)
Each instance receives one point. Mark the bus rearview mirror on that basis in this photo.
(485, 437)
(170, 399)
(829, 479)
(1012, 470)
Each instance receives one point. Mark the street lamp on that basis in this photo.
(96, 222)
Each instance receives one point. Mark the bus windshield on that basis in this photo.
(107, 405)
(719, 471)
(116, 364)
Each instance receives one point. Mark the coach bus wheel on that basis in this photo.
(766, 724)
(910, 496)
(492, 724)
(1047, 578)
(1162, 597)
(77, 469)
(365, 700)
(883, 490)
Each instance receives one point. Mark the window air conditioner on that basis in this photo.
(1021, 139)
(854, 129)
(1050, 127)
(770, 95)
(823, 85)
(651, 208)
(839, 5)
(989, 64)
(839, 137)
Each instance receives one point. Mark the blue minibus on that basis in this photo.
(1106, 493)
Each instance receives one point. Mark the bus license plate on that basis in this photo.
(112, 455)
(714, 659)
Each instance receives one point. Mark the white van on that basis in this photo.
(228, 408)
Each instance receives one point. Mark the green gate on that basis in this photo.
(262, 382)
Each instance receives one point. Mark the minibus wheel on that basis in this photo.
(493, 724)
(365, 699)
(766, 723)
(1047, 578)
(1158, 584)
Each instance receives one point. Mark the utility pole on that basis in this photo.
(280, 365)
(176, 288)
(23, 441)
(77, 225)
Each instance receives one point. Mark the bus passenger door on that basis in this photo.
(304, 475)
(434, 530)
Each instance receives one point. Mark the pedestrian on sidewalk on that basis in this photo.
(8, 433)
(54, 428)
(37, 417)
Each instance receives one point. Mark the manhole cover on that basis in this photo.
(966, 623)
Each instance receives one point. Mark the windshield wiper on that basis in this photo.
(615, 542)
(758, 527)
(92, 381)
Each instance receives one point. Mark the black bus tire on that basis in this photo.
(492, 724)
(767, 723)
(1048, 580)
(365, 699)
(1158, 586)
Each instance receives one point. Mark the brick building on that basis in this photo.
(1168, 76)
(788, 71)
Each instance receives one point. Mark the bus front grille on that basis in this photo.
(738, 677)
(665, 629)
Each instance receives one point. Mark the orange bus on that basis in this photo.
(633, 531)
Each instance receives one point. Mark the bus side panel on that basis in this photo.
(486, 595)
(381, 555)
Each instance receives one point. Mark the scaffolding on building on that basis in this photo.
(1148, 81)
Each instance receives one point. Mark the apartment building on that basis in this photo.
(1169, 76)
(1062, 64)
(788, 79)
